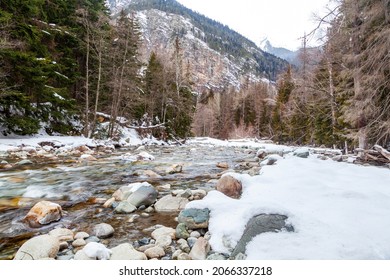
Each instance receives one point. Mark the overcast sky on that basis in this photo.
(283, 22)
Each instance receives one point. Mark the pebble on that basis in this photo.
(79, 243)
(155, 252)
(81, 235)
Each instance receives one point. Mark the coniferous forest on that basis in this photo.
(63, 61)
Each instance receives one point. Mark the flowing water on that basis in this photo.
(76, 186)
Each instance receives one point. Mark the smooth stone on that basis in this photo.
(195, 218)
(175, 168)
(103, 230)
(260, 224)
(133, 218)
(155, 252)
(176, 254)
(145, 215)
(62, 234)
(229, 186)
(164, 188)
(126, 252)
(302, 153)
(43, 246)
(79, 243)
(149, 210)
(125, 207)
(195, 234)
(151, 174)
(64, 245)
(216, 257)
(81, 256)
(183, 257)
(191, 241)
(181, 231)
(183, 245)
(170, 203)
(109, 202)
(164, 231)
(81, 235)
(24, 162)
(186, 194)
(92, 239)
(144, 195)
(200, 249)
(223, 165)
(43, 213)
(146, 247)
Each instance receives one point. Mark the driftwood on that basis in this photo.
(376, 156)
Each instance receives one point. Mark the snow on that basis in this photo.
(338, 211)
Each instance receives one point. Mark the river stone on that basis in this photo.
(125, 207)
(151, 174)
(183, 257)
(175, 168)
(43, 213)
(164, 188)
(103, 230)
(164, 231)
(170, 203)
(191, 241)
(176, 254)
(109, 202)
(216, 257)
(43, 246)
(144, 195)
(127, 252)
(24, 162)
(195, 234)
(81, 235)
(79, 243)
(229, 186)
(195, 218)
(97, 251)
(183, 245)
(223, 165)
(181, 231)
(62, 234)
(186, 193)
(86, 157)
(81, 256)
(155, 252)
(302, 153)
(260, 224)
(200, 249)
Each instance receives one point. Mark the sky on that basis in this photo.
(283, 22)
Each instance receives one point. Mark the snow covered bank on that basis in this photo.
(338, 211)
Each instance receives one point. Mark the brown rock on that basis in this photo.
(229, 186)
(43, 213)
(223, 165)
(200, 249)
(155, 252)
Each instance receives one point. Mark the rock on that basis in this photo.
(338, 158)
(143, 195)
(83, 149)
(240, 257)
(97, 251)
(183, 245)
(155, 252)
(133, 218)
(170, 203)
(302, 153)
(62, 234)
(149, 210)
(146, 247)
(183, 257)
(81, 235)
(151, 174)
(260, 224)
(103, 230)
(199, 193)
(216, 257)
(81, 256)
(164, 231)
(126, 252)
(125, 207)
(43, 213)
(175, 168)
(92, 239)
(164, 188)
(195, 234)
(145, 156)
(191, 241)
(223, 165)
(270, 160)
(64, 245)
(229, 186)
(200, 249)
(109, 202)
(145, 215)
(195, 218)
(176, 254)
(24, 162)
(79, 243)
(39, 247)
(87, 157)
(181, 231)
(186, 193)
(164, 241)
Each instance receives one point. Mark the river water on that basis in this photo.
(76, 186)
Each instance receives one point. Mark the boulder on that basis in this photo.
(144, 195)
(79, 243)
(170, 203)
(125, 207)
(195, 218)
(39, 247)
(43, 213)
(200, 249)
(229, 186)
(175, 168)
(62, 234)
(155, 252)
(103, 230)
(260, 224)
(126, 252)
(223, 165)
(81, 235)
(97, 251)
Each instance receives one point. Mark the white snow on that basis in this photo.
(97, 251)
(338, 211)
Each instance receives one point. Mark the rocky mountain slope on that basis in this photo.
(216, 56)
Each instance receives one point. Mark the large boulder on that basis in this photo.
(39, 247)
(260, 224)
(43, 213)
(143, 195)
(127, 252)
(170, 203)
(195, 218)
(200, 249)
(229, 186)
(103, 230)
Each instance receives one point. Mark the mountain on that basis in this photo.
(290, 56)
(216, 55)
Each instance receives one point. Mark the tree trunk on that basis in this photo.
(86, 121)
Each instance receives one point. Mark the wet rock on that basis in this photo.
(199, 193)
(175, 168)
(145, 215)
(302, 153)
(109, 202)
(133, 218)
(170, 203)
(143, 195)
(260, 224)
(200, 249)
(62, 234)
(183, 257)
(164, 188)
(181, 231)
(103, 230)
(195, 218)
(164, 231)
(126, 252)
(87, 157)
(79, 243)
(39, 247)
(229, 186)
(223, 165)
(185, 193)
(81, 235)
(43, 213)
(24, 162)
(150, 209)
(97, 251)
(155, 252)
(125, 207)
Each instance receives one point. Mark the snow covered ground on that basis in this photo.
(338, 210)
